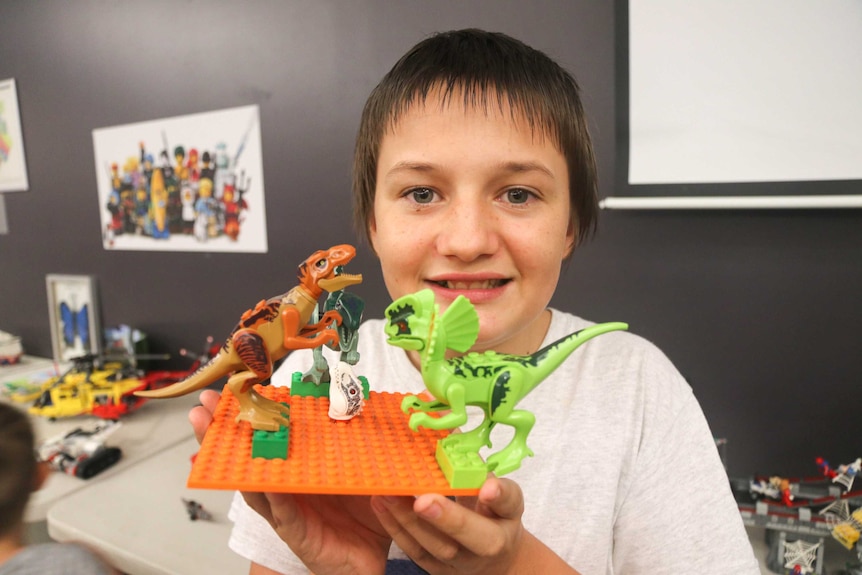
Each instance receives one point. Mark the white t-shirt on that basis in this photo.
(626, 477)
(55, 559)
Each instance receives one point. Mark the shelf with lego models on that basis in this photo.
(812, 509)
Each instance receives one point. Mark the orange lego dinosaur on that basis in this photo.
(269, 332)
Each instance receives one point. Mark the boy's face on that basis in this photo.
(469, 201)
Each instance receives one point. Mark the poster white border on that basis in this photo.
(13, 161)
(239, 130)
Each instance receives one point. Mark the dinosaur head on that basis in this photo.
(323, 270)
(410, 319)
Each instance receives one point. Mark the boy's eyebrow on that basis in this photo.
(511, 166)
(406, 166)
(517, 167)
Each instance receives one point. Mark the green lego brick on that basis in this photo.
(271, 444)
(310, 389)
(462, 470)
(307, 388)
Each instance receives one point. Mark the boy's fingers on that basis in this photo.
(279, 510)
(209, 398)
(419, 540)
(479, 533)
(501, 498)
(200, 418)
(258, 502)
(284, 516)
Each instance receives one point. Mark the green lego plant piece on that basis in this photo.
(463, 470)
(310, 389)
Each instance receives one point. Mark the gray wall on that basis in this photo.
(759, 310)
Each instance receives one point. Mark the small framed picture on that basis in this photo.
(13, 163)
(74, 314)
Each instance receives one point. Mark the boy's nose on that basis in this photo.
(469, 232)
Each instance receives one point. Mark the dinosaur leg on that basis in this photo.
(319, 371)
(349, 340)
(262, 413)
(473, 440)
(509, 458)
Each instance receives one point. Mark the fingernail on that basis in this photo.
(378, 505)
(433, 511)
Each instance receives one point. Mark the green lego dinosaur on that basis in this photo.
(493, 381)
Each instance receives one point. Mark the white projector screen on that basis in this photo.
(724, 91)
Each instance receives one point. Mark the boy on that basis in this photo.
(474, 175)
(20, 475)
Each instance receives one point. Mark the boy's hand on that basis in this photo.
(473, 535)
(202, 415)
(331, 534)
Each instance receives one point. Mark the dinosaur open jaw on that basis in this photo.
(340, 282)
(408, 343)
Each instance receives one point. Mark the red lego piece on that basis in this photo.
(375, 453)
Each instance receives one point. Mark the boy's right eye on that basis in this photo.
(421, 195)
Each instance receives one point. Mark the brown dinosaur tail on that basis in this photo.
(205, 375)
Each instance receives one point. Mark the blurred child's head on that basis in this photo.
(19, 471)
(486, 69)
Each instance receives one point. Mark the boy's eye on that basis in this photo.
(518, 196)
(422, 195)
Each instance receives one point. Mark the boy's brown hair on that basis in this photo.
(484, 67)
(18, 473)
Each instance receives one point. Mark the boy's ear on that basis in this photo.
(42, 472)
(571, 239)
(372, 232)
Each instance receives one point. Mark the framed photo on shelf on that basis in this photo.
(74, 315)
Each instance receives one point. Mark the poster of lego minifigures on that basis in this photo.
(13, 164)
(190, 183)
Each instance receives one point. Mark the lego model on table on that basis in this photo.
(95, 385)
(81, 453)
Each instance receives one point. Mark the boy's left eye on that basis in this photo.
(518, 196)
(422, 195)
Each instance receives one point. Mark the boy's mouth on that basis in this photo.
(471, 285)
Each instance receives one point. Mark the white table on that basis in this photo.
(152, 428)
(137, 519)
(26, 365)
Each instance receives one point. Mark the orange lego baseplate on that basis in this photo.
(375, 453)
